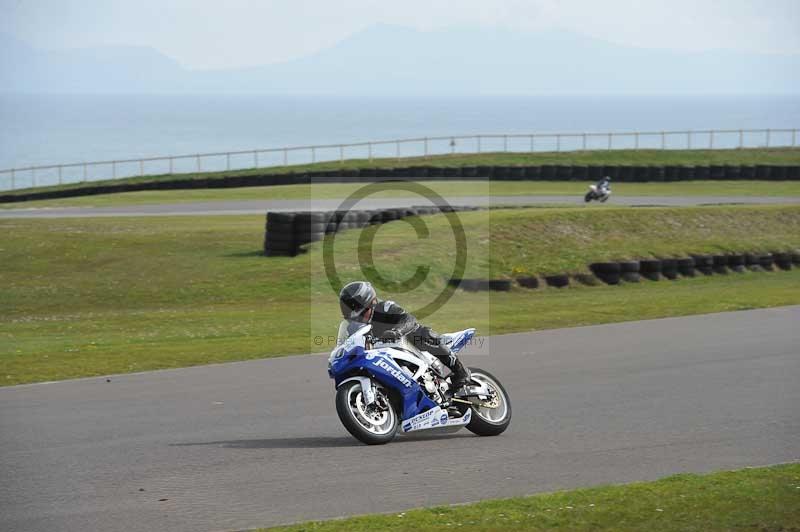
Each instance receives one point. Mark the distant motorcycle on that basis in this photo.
(391, 387)
(596, 193)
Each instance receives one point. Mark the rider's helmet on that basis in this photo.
(355, 298)
(607, 178)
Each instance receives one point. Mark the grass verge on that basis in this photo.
(444, 188)
(83, 297)
(748, 156)
(755, 499)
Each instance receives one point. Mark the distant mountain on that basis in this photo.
(390, 60)
(101, 69)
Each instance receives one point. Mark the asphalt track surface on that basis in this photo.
(257, 443)
(262, 206)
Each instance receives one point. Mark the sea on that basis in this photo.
(52, 129)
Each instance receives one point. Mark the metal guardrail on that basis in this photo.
(397, 148)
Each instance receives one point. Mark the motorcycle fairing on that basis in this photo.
(383, 369)
(435, 418)
(457, 340)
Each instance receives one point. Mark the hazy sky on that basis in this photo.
(234, 33)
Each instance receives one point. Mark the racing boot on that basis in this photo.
(461, 378)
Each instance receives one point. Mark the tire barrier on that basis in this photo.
(629, 271)
(608, 272)
(626, 173)
(671, 173)
(533, 173)
(500, 285)
(686, 173)
(777, 173)
(720, 264)
(650, 269)
(736, 263)
(783, 260)
(686, 267)
(703, 173)
(469, 285)
(559, 280)
(501, 173)
(717, 173)
(733, 173)
(669, 268)
(517, 174)
(287, 232)
(762, 172)
(704, 263)
(429, 173)
(657, 174)
(611, 273)
(563, 173)
(766, 261)
(641, 173)
(752, 263)
(528, 282)
(595, 173)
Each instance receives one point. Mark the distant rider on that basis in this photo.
(390, 322)
(604, 185)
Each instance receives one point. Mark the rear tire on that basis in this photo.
(588, 197)
(482, 422)
(348, 397)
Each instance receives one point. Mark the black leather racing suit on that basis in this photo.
(389, 318)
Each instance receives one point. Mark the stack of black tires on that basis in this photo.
(287, 232)
(632, 271)
(697, 264)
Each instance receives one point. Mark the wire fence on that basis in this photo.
(57, 174)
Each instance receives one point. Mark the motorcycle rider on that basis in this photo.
(604, 185)
(359, 304)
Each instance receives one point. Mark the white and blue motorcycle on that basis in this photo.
(383, 388)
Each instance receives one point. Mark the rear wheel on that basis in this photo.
(373, 424)
(489, 417)
(588, 197)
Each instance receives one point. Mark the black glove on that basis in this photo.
(391, 335)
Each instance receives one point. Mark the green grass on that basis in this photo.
(749, 156)
(763, 499)
(81, 297)
(444, 188)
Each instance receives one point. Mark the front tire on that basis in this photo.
(490, 421)
(368, 425)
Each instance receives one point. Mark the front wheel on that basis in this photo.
(492, 417)
(373, 424)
